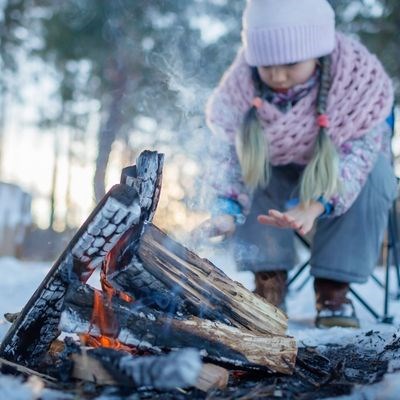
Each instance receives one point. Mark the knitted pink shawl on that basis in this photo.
(360, 98)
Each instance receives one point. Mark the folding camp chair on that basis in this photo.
(390, 252)
(391, 255)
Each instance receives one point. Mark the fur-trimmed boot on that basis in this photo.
(272, 286)
(333, 306)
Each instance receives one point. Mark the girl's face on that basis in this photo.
(283, 77)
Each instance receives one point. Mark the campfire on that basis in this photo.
(164, 317)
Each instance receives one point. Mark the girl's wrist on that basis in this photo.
(228, 206)
(327, 207)
(317, 208)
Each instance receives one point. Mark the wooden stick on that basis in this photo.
(212, 377)
(20, 369)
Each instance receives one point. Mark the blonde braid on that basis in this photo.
(251, 145)
(320, 177)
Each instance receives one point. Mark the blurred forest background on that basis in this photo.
(86, 85)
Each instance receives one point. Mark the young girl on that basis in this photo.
(302, 113)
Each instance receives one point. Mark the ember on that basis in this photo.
(107, 342)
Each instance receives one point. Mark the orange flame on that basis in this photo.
(105, 320)
(103, 316)
(104, 341)
(110, 291)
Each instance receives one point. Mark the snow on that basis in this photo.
(20, 279)
(18, 282)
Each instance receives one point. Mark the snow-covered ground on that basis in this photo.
(20, 279)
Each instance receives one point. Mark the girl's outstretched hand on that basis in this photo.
(301, 218)
(220, 225)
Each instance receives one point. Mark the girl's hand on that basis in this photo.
(301, 218)
(220, 225)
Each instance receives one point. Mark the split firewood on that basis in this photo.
(149, 329)
(206, 287)
(212, 377)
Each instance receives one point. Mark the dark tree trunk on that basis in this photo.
(56, 153)
(110, 126)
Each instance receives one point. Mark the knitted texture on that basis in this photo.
(286, 31)
(360, 98)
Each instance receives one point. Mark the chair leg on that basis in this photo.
(391, 253)
(394, 244)
(377, 281)
(301, 268)
(367, 306)
(297, 274)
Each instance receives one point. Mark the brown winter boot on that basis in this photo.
(272, 286)
(333, 307)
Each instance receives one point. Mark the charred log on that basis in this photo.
(134, 280)
(117, 214)
(146, 178)
(36, 327)
(154, 331)
(209, 291)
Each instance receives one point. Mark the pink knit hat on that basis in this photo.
(277, 32)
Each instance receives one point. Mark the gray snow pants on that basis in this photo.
(344, 248)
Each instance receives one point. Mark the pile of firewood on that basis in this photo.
(164, 317)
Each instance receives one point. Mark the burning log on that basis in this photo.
(36, 327)
(208, 290)
(151, 330)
